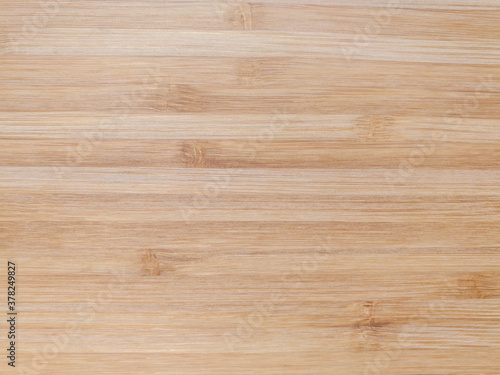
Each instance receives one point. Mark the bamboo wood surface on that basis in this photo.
(282, 187)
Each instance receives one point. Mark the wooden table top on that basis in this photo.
(281, 187)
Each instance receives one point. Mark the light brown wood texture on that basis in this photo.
(282, 187)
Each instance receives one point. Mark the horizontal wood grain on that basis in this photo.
(279, 187)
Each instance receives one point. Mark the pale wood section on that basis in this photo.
(231, 15)
(281, 187)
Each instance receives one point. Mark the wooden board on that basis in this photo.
(223, 187)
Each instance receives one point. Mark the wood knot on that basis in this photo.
(368, 315)
(239, 15)
(366, 330)
(371, 128)
(182, 98)
(474, 285)
(151, 265)
(251, 72)
(159, 261)
(193, 154)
